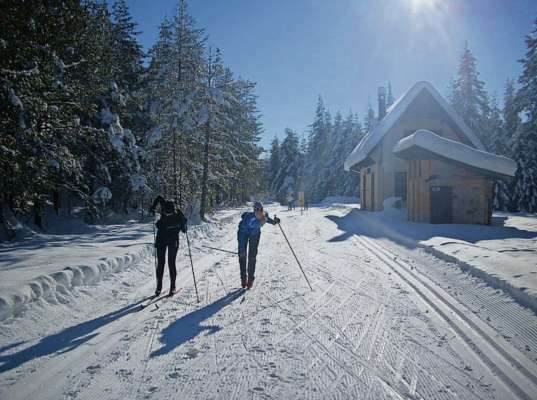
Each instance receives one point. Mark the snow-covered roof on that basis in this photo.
(394, 113)
(424, 142)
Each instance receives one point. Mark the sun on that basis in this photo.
(418, 6)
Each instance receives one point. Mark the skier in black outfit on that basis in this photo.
(248, 235)
(171, 222)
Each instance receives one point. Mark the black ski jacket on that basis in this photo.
(168, 228)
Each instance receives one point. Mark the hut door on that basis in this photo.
(441, 205)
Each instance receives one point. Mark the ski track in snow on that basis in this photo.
(383, 322)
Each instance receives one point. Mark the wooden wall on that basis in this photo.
(471, 193)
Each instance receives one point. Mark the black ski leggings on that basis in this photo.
(161, 255)
(250, 242)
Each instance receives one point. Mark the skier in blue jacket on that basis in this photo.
(248, 235)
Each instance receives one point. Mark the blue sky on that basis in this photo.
(344, 49)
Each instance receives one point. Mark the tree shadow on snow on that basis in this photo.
(63, 341)
(189, 326)
(370, 224)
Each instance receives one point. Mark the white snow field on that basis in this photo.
(503, 254)
(384, 321)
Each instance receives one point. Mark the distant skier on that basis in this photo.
(290, 201)
(248, 236)
(171, 222)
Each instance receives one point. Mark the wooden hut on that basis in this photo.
(422, 152)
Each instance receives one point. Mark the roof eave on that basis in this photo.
(416, 152)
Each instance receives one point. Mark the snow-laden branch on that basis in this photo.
(26, 72)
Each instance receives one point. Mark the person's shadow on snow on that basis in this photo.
(63, 341)
(189, 326)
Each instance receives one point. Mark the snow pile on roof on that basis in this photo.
(456, 151)
(394, 113)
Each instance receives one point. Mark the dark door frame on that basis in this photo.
(441, 196)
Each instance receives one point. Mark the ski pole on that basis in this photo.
(216, 248)
(154, 244)
(296, 258)
(192, 266)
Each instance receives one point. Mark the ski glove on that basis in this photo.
(276, 220)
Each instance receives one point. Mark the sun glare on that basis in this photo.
(419, 6)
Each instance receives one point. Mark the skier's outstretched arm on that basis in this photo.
(271, 221)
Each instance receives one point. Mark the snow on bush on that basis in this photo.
(102, 195)
(154, 136)
(139, 184)
(54, 164)
(14, 99)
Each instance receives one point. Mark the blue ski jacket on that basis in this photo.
(250, 225)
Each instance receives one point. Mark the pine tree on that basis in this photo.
(525, 138)
(469, 98)
(499, 144)
(274, 164)
(287, 177)
(510, 109)
(318, 155)
(370, 120)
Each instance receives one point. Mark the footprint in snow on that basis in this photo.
(190, 354)
(93, 369)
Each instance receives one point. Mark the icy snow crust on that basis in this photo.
(369, 330)
(394, 113)
(458, 152)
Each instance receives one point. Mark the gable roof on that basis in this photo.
(394, 113)
(424, 143)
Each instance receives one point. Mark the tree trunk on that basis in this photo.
(203, 202)
(56, 201)
(38, 220)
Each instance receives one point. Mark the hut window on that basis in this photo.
(400, 185)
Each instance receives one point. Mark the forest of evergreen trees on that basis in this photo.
(88, 120)
(315, 166)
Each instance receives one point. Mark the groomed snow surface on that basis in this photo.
(385, 321)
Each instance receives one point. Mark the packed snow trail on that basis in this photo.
(383, 322)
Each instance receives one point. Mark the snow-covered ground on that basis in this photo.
(384, 321)
(504, 254)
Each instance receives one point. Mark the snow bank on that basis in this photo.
(503, 255)
(49, 268)
(56, 287)
(331, 200)
(456, 151)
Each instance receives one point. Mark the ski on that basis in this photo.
(156, 299)
(243, 294)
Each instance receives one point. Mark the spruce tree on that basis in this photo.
(525, 138)
(469, 98)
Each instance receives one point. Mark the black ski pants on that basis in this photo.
(161, 259)
(250, 244)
